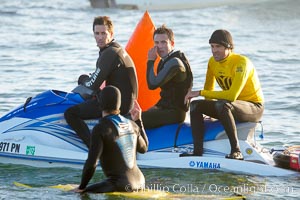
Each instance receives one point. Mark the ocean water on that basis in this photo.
(48, 44)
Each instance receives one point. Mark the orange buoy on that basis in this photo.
(137, 47)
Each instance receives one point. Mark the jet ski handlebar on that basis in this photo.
(83, 91)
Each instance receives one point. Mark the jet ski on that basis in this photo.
(36, 134)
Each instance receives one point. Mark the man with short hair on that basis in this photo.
(114, 67)
(174, 78)
(240, 100)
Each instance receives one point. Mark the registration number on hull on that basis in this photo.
(10, 147)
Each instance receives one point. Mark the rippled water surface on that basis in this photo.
(48, 44)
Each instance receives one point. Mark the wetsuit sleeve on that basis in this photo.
(94, 154)
(105, 65)
(241, 74)
(172, 68)
(142, 141)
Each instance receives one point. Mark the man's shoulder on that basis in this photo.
(177, 57)
(116, 44)
(241, 60)
(113, 47)
(237, 56)
(178, 54)
(104, 122)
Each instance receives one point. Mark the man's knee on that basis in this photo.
(194, 105)
(223, 106)
(71, 112)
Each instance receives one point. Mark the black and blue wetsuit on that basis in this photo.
(115, 67)
(115, 141)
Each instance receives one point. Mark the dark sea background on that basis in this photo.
(48, 44)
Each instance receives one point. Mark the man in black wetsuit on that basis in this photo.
(115, 67)
(174, 77)
(115, 141)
